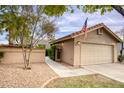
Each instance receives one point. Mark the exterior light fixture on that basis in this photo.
(62, 43)
(78, 42)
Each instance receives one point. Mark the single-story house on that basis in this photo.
(99, 47)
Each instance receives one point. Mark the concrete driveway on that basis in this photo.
(114, 70)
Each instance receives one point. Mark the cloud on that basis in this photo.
(69, 29)
(69, 23)
(109, 19)
(72, 17)
(116, 28)
(59, 35)
(3, 39)
(4, 42)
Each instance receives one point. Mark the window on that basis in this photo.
(99, 31)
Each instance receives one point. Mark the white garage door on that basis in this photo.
(96, 54)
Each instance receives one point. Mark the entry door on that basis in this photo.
(58, 55)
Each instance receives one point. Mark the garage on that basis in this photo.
(96, 54)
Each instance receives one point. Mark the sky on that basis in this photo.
(72, 22)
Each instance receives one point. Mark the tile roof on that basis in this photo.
(92, 28)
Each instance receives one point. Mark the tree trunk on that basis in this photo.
(10, 38)
(118, 9)
(26, 58)
(27, 53)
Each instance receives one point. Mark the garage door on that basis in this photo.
(96, 54)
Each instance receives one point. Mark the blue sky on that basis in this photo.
(72, 22)
(69, 23)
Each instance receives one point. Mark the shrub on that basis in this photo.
(51, 52)
(1, 55)
(121, 58)
(40, 46)
(48, 52)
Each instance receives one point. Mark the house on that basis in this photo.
(99, 47)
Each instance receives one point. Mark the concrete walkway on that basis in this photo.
(114, 70)
(63, 71)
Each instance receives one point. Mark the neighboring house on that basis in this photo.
(99, 47)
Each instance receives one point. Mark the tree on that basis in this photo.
(58, 10)
(9, 13)
(101, 8)
(27, 25)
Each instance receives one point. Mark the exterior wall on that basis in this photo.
(14, 55)
(93, 37)
(118, 48)
(115, 54)
(67, 52)
(105, 38)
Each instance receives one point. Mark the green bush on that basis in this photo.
(40, 46)
(121, 58)
(51, 52)
(1, 55)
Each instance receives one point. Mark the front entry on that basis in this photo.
(58, 54)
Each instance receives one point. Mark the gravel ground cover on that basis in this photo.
(14, 76)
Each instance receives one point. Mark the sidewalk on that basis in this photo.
(63, 71)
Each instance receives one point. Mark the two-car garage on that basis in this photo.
(96, 54)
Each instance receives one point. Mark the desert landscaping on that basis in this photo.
(14, 76)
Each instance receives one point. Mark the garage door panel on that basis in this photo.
(95, 54)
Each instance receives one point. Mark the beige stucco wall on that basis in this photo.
(93, 37)
(105, 38)
(14, 55)
(68, 52)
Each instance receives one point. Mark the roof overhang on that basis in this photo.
(90, 29)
